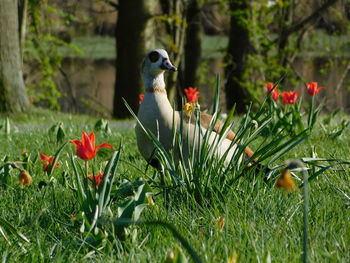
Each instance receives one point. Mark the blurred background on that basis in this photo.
(84, 56)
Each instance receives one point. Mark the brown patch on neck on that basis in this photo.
(156, 90)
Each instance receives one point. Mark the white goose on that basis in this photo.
(157, 115)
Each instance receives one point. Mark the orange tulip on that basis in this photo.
(86, 148)
(192, 94)
(47, 161)
(96, 179)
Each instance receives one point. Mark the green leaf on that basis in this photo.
(104, 190)
(7, 126)
(56, 156)
(5, 225)
(60, 134)
(81, 191)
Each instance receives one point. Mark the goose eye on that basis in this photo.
(153, 56)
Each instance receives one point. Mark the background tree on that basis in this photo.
(193, 41)
(264, 41)
(135, 36)
(268, 41)
(237, 55)
(13, 96)
(174, 20)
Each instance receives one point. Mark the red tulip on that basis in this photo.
(275, 94)
(141, 96)
(268, 86)
(289, 97)
(47, 161)
(86, 149)
(192, 94)
(312, 88)
(96, 179)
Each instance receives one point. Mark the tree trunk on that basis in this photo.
(13, 96)
(192, 49)
(22, 23)
(237, 54)
(175, 33)
(134, 37)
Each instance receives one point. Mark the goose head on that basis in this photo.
(156, 62)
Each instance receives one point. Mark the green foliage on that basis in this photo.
(260, 223)
(287, 118)
(42, 51)
(6, 227)
(57, 130)
(202, 173)
(103, 126)
(5, 126)
(274, 48)
(95, 201)
(266, 59)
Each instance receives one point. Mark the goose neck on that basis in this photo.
(155, 84)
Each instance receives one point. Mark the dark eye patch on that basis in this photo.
(153, 56)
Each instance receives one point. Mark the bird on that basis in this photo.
(157, 115)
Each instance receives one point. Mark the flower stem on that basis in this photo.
(311, 114)
(86, 168)
(305, 216)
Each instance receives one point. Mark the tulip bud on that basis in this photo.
(286, 182)
(24, 178)
(233, 258)
(150, 201)
(220, 223)
(170, 257)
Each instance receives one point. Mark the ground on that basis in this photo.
(255, 221)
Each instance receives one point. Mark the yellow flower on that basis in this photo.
(24, 178)
(285, 181)
(170, 257)
(233, 258)
(150, 201)
(220, 222)
(188, 107)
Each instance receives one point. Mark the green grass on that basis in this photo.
(259, 219)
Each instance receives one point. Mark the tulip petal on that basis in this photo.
(89, 142)
(92, 138)
(76, 142)
(106, 145)
(44, 157)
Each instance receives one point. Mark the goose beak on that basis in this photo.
(166, 65)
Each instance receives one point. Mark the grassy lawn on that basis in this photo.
(254, 220)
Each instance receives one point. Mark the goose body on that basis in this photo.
(157, 115)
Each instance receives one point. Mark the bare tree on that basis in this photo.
(13, 96)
